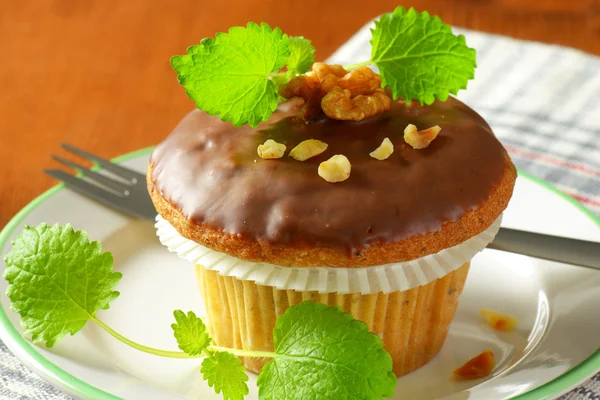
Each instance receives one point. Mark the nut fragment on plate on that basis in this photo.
(385, 149)
(477, 367)
(307, 149)
(501, 322)
(336, 169)
(420, 139)
(271, 149)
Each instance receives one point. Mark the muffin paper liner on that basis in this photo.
(412, 324)
(386, 278)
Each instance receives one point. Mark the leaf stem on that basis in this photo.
(279, 78)
(358, 65)
(244, 353)
(179, 354)
(140, 347)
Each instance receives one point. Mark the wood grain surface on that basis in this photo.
(95, 73)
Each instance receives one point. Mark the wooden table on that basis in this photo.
(95, 73)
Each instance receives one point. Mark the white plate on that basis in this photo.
(556, 341)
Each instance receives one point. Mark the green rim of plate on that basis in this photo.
(57, 375)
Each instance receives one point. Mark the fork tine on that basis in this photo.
(132, 176)
(118, 187)
(107, 198)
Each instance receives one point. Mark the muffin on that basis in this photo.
(391, 244)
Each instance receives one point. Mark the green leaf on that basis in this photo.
(324, 353)
(190, 333)
(302, 55)
(418, 56)
(229, 76)
(57, 280)
(225, 373)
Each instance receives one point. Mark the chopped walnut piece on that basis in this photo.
(385, 149)
(501, 322)
(420, 139)
(307, 149)
(478, 367)
(339, 104)
(271, 149)
(336, 169)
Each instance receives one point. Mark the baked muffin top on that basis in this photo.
(208, 181)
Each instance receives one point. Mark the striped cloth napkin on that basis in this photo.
(543, 103)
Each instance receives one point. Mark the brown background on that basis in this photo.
(95, 73)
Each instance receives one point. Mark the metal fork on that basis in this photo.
(125, 190)
(127, 193)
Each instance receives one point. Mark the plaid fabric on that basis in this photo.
(542, 102)
(19, 382)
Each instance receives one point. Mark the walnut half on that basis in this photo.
(339, 104)
(360, 81)
(304, 86)
(342, 95)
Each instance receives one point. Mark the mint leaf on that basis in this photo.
(302, 55)
(224, 372)
(324, 353)
(229, 76)
(190, 333)
(418, 56)
(57, 280)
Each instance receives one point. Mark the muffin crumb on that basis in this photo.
(478, 367)
(498, 321)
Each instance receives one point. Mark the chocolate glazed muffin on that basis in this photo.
(207, 181)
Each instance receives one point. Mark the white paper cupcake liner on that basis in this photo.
(381, 278)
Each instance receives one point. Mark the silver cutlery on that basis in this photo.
(125, 190)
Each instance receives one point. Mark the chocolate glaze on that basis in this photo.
(211, 172)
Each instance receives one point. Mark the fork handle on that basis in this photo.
(553, 248)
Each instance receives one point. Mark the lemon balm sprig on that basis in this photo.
(58, 280)
(418, 56)
(236, 74)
